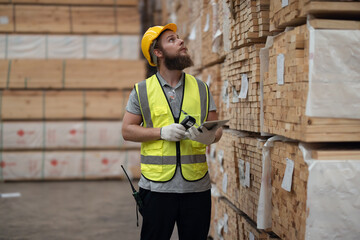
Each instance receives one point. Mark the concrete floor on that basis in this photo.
(69, 210)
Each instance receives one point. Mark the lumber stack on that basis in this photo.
(284, 104)
(263, 107)
(289, 207)
(244, 87)
(66, 71)
(65, 18)
(293, 13)
(249, 22)
(70, 74)
(211, 47)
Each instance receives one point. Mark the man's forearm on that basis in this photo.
(137, 133)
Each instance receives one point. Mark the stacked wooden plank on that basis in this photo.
(292, 13)
(211, 76)
(284, 104)
(70, 74)
(248, 153)
(236, 161)
(244, 87)
(63, 96)
(211, 34)
(289, 207)
(65, 18)
(249, 22)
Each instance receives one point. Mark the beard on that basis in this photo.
(178, 62)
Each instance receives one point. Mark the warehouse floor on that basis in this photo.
(69, 210)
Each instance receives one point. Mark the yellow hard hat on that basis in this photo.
(150, 35)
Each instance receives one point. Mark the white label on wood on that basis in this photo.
(10, 195)
(247, 174)
(226, 218)
(235, 97)
(4, 20)
(224, 182)
(192, 35)
(207, 24)
(212, 151)
(242, 172)
(221, 158)
(244, 86)
(284, 3)
(208, 81)
(287, 180)
(280, 68)
(251, 236)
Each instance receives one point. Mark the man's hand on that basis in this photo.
(206, 137)
(174, 132)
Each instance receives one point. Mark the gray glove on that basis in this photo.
(206, 137)
(173, 132)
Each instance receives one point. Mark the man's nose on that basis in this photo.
(181, 42)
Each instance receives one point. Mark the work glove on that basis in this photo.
(203, 136)
(173, 132)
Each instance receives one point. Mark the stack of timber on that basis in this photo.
(211, 76)
(70, 74)
(244, 77)
(292, 13)
(289, 208)
(63, 97)
(230, 223)
(249, 22)
(284, 104)
(71, 17)
(212, 44)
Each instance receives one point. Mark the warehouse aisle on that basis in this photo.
(69, 210)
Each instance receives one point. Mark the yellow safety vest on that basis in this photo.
(159, 158)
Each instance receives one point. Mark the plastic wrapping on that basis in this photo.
(64, 135)
(334, 73)
(69, 47)
(264, 206)
(68, 164)
(333, 198)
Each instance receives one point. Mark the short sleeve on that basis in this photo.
(133, 105)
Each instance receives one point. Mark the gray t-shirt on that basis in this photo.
(178, 184)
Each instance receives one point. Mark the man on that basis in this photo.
(174, 184)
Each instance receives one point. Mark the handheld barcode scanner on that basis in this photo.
(139, 203)
(188, 122)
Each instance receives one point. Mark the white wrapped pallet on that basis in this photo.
(41, 165)
(64, 135)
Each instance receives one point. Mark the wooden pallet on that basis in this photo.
(296, 12)
(70, 74)
(62, 105)
(69, 19)
(284, 105)
(249, 22)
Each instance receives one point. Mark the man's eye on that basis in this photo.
(171, 40)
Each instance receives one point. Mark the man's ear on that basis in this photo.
(158, 53)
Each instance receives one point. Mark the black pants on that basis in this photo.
(190, 211)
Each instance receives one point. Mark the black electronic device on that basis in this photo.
(188, 122)
(139, 203)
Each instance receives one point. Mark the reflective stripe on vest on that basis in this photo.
(159, 158)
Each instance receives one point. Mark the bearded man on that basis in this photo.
(174, 185)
